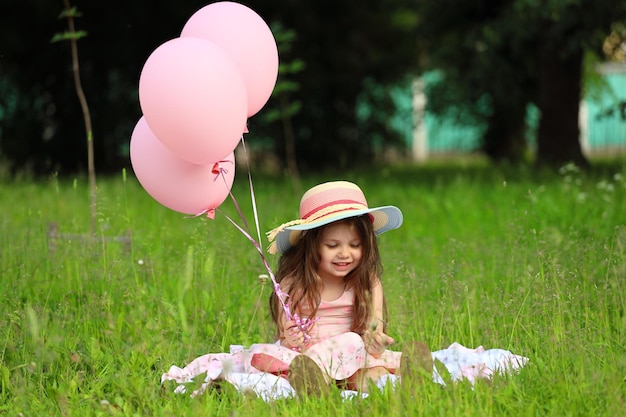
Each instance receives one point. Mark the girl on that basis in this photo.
(330, 268)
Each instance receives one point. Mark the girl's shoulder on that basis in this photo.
(287, 283)
(376, 281)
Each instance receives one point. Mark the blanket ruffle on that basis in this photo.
(461, 363)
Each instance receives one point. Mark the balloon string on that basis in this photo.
(304, 324)
(252, 197)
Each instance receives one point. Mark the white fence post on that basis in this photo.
(420, 133)
(583, 126)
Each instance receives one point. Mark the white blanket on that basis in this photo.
(460, 362)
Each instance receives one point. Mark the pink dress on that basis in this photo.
(338, 351)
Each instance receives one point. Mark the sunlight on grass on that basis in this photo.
(530, 262)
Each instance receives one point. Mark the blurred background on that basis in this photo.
(514, 81)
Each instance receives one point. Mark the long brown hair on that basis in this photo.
(297, 270)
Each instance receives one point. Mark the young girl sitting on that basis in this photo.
(331, 270)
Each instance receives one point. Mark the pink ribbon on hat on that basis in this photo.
(349, 203)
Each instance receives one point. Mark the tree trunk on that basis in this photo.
(560, 79)
(504, 140)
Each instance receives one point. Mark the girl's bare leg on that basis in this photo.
(363, 378)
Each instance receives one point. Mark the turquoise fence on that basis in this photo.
(603, 128)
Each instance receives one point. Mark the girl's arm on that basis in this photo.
(376, 341)
(376, 323)
(289, 334)
(292, 336)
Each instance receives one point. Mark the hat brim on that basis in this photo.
(385, 218)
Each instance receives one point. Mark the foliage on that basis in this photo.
(66, 36)
(342, 45)
(38, 110)
(614, 46)
(287, 106)
(495, 58)
(490, 55)
(532, 262)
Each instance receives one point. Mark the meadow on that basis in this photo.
(533, 262)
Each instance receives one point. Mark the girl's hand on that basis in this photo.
(376, 342)
(293, 335)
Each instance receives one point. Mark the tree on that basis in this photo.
(287, 107)
(497, 57)
(566, 30)
(38, 106)
(482, 79)
(72, 35)
(340, 42)
(343, 44)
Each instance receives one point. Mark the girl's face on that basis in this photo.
(340, 251)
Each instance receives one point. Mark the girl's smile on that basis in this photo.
(340, 251)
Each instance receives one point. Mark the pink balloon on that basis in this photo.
(175, 183)
(247, 40)
(194, 99)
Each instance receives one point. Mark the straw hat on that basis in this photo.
(326, 203)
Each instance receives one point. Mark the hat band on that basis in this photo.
(334, 207)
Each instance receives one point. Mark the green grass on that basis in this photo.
(527, 261)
